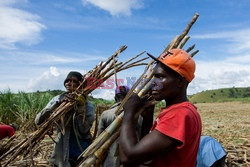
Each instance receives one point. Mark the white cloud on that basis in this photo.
(219, 74)
(30, 79)
(48, 58)
(104, 94)
(18, 26)
(242, 59)
(233, 70)
(9, 2)
(237, 40)
(32, 71)
(209, 75)
(51, 79)
(115, 7)
(54, 71)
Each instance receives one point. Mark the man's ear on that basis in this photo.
(115, 98)
(182, 82)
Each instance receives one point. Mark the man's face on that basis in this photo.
(166, 83)
(119, 97)
(71, 84)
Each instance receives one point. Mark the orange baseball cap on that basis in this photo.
(179, 61)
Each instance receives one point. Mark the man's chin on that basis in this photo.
(69, 90)
(157, 97)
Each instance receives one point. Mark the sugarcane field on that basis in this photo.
(70, 98)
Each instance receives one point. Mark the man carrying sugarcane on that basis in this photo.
(107, 117)
(73, 131)
(143, 125)
(175, 135)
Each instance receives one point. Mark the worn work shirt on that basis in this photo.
(107, 117)
(6, 131)
(182, 123)
(83, 120)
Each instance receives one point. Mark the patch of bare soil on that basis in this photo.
(229, 123)
(37, 156)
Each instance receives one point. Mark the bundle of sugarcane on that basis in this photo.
(91, 156)
(98, 75)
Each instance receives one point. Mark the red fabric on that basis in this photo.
(181, 122)
(6, 130)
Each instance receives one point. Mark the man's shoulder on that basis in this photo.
(113, 108)
(90, 105)
(208, 139)
(184, 106)
(90, 108)
(115, 105)
(58, 97)
(210, 146)
(110, 112)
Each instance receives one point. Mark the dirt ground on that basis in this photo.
(229, 123)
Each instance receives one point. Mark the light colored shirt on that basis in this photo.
(209, 152)
(107, 117)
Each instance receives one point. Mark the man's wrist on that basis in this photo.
(129, 113)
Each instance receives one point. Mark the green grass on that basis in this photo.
(222, 95)
(100, 101)
(21, 107)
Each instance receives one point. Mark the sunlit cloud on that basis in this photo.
(18, 26)
(219, 74)
(101, 93)
(236, 40)
(242, 59)
(45, 58)
(49, 80)
(115, 7)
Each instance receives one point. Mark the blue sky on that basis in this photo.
(41, 41)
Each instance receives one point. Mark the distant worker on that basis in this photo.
(108, 116)
(211, 153)
(7, 130)
(77, 123)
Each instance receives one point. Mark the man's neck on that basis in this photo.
(175, 101)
